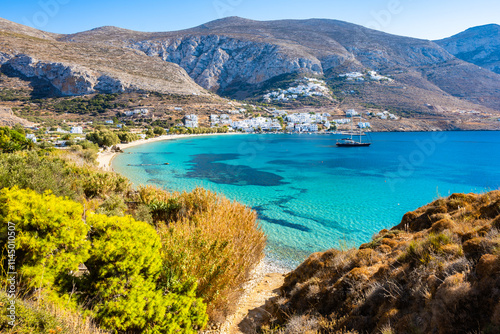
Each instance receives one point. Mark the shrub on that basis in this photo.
(29, 170)
(121, 284)
(96, 183)
(103, 138)
(49, 237)
(46, 318)
(159, 131)
(211, 240)
(127, 137)
(423, 252)
(12, 140)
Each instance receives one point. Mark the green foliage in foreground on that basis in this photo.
(30, 170)
(124, 268)
(40, 172)
(49, 234)
(42, 318)
(121, 289)
(12, 140)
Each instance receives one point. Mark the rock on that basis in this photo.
(215, 62)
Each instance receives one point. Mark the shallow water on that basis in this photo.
(311, 195)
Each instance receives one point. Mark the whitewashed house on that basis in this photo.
(76, 130)
(31, 136)
(191, 121)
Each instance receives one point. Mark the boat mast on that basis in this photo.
(359, 129)
(352, 121)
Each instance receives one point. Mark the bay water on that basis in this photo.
(311, 195)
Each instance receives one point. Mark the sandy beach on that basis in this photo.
(105, 158)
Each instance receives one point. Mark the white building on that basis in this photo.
(191, 121)
(77, 130)
(214, 120)
(142, 111)
(364, 125)
(341, 121)
(225, 119)
(31, 137)
(351, 113)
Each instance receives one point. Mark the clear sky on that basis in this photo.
(428, 19)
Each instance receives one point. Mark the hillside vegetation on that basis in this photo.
(438, 271)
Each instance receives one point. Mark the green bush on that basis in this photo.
(97, 104)
(12, 140)
(43, 318)
(96, 183)
(103, 138)
(124, 267)
(29, 170)
(159, 131)
(127, 137)
(49, 236)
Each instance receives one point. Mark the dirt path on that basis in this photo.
(251, 310)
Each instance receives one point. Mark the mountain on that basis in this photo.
(68, 69)
(478, 45)
(246, 59)
(242, 58)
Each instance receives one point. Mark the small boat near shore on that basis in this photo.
(350, 142)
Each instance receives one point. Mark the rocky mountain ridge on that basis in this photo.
(477, 45)
(242, 58)
(233, 53)
(81, 69)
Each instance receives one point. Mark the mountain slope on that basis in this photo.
(232, 52)
(77, 69)
(477, 45)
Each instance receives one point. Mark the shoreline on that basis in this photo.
(105, 158)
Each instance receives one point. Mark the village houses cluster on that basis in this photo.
(370, 75)
(306, 88)
(279, 121)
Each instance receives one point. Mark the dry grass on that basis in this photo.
(208, 238)
(437, 271)
(44, 318)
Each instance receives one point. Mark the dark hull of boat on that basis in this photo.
(353, 144)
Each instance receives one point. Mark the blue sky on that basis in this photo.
(428, 19)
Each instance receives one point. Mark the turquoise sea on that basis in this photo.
(311, 195)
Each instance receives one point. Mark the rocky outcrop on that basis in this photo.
(7, 118)
(216, 62)
(68, 79)
(73, 79)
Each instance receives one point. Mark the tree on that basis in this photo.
(127, 137)
(103, 138)
(159, 131)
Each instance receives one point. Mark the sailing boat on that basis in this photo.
(350, 142)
